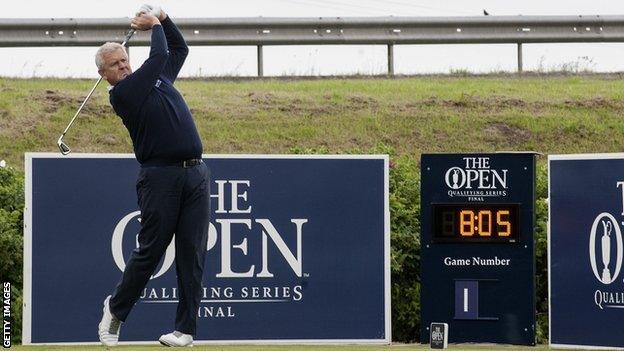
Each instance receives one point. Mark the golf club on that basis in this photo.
(61, 144)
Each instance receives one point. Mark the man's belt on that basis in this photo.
(191, 163)
(184, 164)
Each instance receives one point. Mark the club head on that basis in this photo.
(62, 146)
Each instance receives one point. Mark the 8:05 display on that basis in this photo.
(485, 223)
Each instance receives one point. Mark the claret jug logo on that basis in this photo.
(606, 251)
(258, 235)
(476, 179)
(608, 226)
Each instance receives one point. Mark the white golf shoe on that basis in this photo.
(176, 339)
(109, 326)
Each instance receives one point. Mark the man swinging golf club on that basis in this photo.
(172, 187)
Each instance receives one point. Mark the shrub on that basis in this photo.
(11, 241)
(541, 253)
(405, 248)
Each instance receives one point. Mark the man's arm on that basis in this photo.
(133, 90)
(178, 50)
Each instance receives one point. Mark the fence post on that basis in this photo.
(390, 59)
(519, 57)
(260, 62)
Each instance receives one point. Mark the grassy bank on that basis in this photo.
(414, 115)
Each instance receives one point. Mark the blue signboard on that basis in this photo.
(477, 246)
(298, 250)
(586, 202)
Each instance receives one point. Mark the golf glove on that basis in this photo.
(151, 9)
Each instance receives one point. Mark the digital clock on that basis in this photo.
(483, 223)
(477, 251)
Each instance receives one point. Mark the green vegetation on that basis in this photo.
(401, 117)
(11, 238)
(427, 114)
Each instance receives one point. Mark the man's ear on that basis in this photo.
(101, 73)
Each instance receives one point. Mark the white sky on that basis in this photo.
(321, 60)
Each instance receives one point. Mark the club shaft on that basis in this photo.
(82, 105)
(127, 38)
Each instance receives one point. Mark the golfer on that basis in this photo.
(172, 187)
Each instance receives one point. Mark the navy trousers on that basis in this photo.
(172, 200)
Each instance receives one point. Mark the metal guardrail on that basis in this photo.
(388, 31)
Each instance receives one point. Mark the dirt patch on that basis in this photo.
(362, 101)
(52, 100)
(507, 102)
(497, 103)
(304, 109)
(298, 106)
(262, 98)
(108, 139)
(504, 133)
(294, 106)
(24, 125)
(472, 102)
(435, 101)
(597, 102)
(96, 109)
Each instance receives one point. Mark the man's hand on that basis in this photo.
(153, 10)
(144, 21)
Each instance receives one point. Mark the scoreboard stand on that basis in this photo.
(477, 247)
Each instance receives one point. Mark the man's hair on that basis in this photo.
(105, 49)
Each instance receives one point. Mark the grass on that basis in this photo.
(551, 114)
(394, 347)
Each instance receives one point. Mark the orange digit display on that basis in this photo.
(503, 222)
(467, 227)
(485, 223)
(476, 223)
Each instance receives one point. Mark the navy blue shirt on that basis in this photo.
(159, 121)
